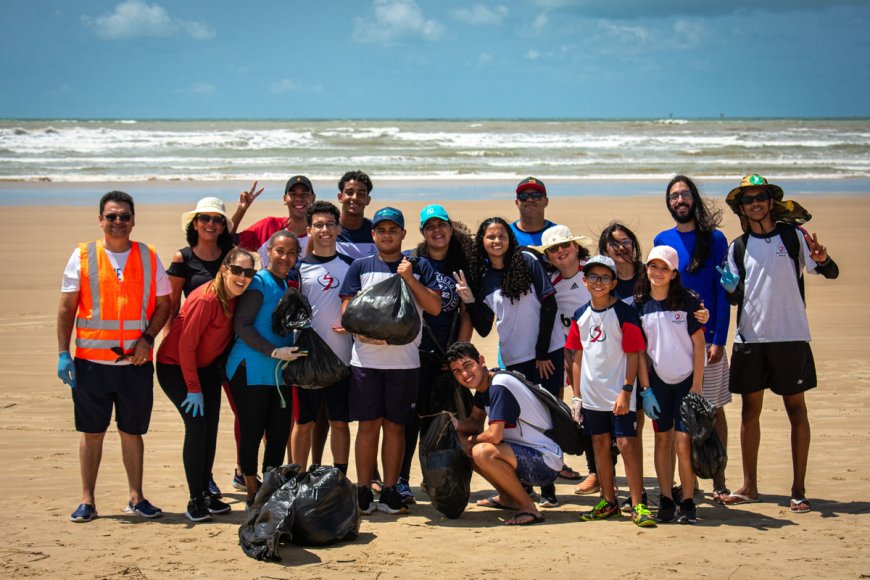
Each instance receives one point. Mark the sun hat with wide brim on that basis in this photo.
(206, 205)
(788, 211)
(749, 182)
(559, 235)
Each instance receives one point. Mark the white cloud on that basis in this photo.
(688, 34)
(624, 34)
(284, 86)
(480, 14)
(135, 18)
(533, 54)
(394, 20)
(541, 21)
(484, 58)
(202, 88)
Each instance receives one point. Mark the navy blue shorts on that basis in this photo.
(306, 402)
(601, 422)
(786, 368)
(531, 467)
(670, 397)
(556, 381)
(389, 394)
(99, 388)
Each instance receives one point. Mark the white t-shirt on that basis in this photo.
(321, 281)
(571, 294)
(73, 272)
(669, 337)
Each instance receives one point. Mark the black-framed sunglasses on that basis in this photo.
(239, 271)
(124, 217)
(218, 220)
(557, 247)
(535, 195)
(750, 199)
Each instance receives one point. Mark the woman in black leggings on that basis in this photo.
(187, 369)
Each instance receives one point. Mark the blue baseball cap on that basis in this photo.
(389, 214)
(433, 211)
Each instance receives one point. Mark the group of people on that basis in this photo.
(630, 338)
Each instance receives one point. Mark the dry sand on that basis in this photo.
(40, 484)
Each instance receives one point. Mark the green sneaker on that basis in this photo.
(642, 517)
(602, 510)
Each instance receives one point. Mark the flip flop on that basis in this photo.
(719, 495)
(377, 486)
(493, 503)
(536, 519)
(800, 506)
(735, 498)
(569, 474)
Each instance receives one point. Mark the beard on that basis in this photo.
(680, 218)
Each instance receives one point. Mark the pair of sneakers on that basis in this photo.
(87, 512)
(390, 501)
(640, 514)
(200, 509)
(668, 511)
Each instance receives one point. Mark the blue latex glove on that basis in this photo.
(193, 404)
(66, 370)
(650, 404)
(729, 280)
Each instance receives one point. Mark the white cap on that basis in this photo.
(666, 254)
(600, 260)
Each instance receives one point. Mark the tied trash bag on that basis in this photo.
(384, 311)
(709, 458)
(293, 312)
(446, 468)
(698, 415)
(315, 508)
(319, 369)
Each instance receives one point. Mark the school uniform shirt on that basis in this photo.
(705, 281)
(442, 323)
(517, 322)
(525, 418)
(669, 336)
(357, 243)
(773, 310)
(625, 289)
(321, 279)
(368, 271)
(256, 238)
(605, 337)
(571, 294)
(530, 238)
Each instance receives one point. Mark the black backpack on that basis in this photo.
(565, 432)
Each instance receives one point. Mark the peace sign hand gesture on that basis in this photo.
(818, 252)
(246, 198)
(462, 288)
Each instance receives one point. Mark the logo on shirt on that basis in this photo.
(566, 320)
(574, 286)
(679, 318)
(597, 334)
(328, 281)
(780, 250)
(447, 289)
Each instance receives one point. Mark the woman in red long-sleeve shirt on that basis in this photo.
(187, 369)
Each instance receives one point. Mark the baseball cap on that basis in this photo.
(666, 254)
(389, 214)
(532, 183)
(433, 211)
(298, 179)
(600, 260)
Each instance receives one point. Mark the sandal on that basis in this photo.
(569, 474)
(800, 506)
(720, 494)
(518, 521)
(492, 502)
(377, 486)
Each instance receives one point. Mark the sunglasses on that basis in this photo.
(535, 195)
(557, 247)
(595, 279)
(238, 271)
(218, 220)
(750, 199)
(124, 217)
(121, 354)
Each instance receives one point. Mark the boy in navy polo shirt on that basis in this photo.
(383, 392)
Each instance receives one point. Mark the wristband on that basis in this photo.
(148, 338)
(628, 387)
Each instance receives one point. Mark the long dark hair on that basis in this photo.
(224, 241)
(218, 285)
(516, 276)
(677, 293)
(706, 220)
(460, 247)
(606, 239)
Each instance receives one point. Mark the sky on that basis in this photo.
(431, 59)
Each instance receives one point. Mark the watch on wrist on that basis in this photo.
(628, 387)
(148, 338)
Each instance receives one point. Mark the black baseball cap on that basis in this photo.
(298, 179)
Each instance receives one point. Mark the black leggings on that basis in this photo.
(200, 433)
(258, 409)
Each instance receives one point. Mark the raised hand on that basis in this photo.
(462, 289)
(246, 198)
(818, 252)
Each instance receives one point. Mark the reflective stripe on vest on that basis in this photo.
(114, 313)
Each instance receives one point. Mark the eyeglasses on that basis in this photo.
(218, 220)
(124, 217)
(535, 195)
(750, 199)
(678, 194)
(323, 226)
(238, 271)
(557, 247)
(626, 243)
(121, 354)
(595, 279)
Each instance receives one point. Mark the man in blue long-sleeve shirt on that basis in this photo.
(702, 247)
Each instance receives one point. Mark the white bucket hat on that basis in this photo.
(206, 205)
(558, 235)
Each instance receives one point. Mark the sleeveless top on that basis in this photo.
(194, 270)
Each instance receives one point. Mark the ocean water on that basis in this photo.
(593, 156)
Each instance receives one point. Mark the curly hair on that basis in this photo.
(606, 239)
(516, 275)
(706, 220)
(460, 247)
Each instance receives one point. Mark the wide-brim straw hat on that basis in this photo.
(206, 205)
(559, 235)
(748, 182)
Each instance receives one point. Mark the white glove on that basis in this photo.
(288, 353)
(577, 409)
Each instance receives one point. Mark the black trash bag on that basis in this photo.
(292, 313)
(384, 311)
(319, 369)
(710, 457)
(698, 415)
(315, 508)
(447, 395)
(446, 468)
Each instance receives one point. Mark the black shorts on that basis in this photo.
(389, 394)
(306, 402)
(127, 388)
(786, 368)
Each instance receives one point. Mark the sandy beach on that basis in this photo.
(41, 485)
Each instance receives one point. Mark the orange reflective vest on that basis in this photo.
(113, 312)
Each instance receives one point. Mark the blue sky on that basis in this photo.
(434, 59)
